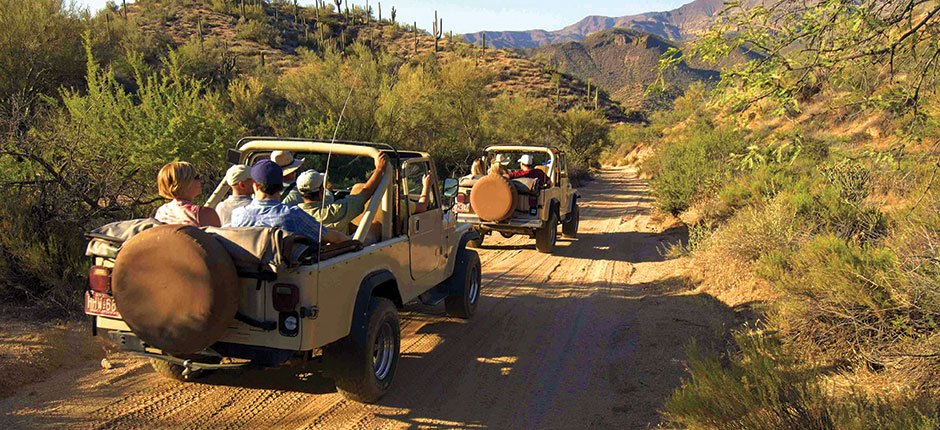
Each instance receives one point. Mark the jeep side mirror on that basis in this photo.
(450, 187)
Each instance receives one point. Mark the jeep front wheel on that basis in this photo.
(464, 285)
(364, 372)
(546, 236)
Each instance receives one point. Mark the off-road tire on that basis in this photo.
(167, 370)
(353, 367)
(466, 280)
(546, 236)
(476, 243)
(570, 229)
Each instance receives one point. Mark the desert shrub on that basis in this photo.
(258, 31)
(94, 158)
(686, 168)
(207, 60)
(40, 47)
(760, 230)
(765, 385)
(583, 136)
(624, 138)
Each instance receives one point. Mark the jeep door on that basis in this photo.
(424, 228)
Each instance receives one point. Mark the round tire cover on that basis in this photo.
(176, 287)
(493, 198)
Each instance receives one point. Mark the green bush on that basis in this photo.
(765, 386)
(94, 159)
(258, 31)
(687, 168)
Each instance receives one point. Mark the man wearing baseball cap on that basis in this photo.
(289, 166)
(266, 210)
(527, 171)
(239, 178)
(340, 213)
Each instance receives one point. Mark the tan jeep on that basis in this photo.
(495, 203)
(200, 299)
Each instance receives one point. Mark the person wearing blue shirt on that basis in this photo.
(266, 209)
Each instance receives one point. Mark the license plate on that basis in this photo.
(461, 207)
(101, 305)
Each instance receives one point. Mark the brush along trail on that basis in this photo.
(592, 336)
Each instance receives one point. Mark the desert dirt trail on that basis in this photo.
(591, 337)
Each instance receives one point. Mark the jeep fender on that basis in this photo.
(553, 205)
(380, 283)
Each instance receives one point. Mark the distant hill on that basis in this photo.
(620, 61)
(679, 24)
(514, 74)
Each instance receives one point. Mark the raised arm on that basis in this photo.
(380, 162)
(422, 204)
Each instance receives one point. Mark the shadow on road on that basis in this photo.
(551, 356)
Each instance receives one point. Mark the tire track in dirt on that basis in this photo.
(569, 340)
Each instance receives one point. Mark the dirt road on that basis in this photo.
(593, 336)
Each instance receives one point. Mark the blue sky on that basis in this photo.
(472, 16)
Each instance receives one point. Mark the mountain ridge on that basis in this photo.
(680, 24)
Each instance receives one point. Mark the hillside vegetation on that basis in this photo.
(624, 63)
(93, 105)
(809, 180)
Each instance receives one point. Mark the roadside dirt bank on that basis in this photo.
(592, 336)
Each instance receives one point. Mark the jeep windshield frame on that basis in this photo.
(250, 145)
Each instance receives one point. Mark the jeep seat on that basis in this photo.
(375, 231)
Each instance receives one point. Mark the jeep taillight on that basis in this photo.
(461, 198)
(285, 297)
(99, 279)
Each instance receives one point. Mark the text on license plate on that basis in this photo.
(100, 304)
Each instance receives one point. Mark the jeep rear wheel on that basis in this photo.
(570, 228)
(546, 236)
(465, 284)
(364, 372)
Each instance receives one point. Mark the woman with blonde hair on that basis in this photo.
(179, 182)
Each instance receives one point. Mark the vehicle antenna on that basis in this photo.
(329, 155)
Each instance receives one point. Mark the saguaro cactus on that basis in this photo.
(415, 28)
(483, 46)
(380, 11)
(438, 30)
(394, 12)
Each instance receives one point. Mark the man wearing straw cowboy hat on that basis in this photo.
(289, 166)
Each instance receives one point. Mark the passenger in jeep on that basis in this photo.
(528, 171)
(239, 178)
(266, 210)
(340, 213)
(179, 182)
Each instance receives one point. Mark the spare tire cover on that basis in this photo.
(176, 287)
(493, 198)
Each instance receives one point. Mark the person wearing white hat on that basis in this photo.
(527, 171)
(337, 215)
(239, 178)
(289, 166)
